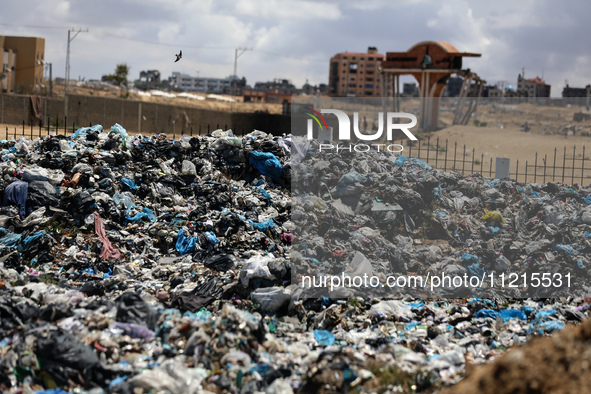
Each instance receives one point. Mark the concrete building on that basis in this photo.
(355, 74)
(492, 91)
(533, 87)
(187, 83)
(410, 89)
(454, 87)
(278, 85)
(150, 76)
(567, 91)
(23, 59)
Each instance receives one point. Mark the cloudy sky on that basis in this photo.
(295, 39)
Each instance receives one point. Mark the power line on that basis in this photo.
(210, 47)
(35, 27)
(165, 44)
(173, 45)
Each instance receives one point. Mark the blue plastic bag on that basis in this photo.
(266, 163)
(185, 244)
(264, 225)
(212, 238)
(118, 129)
(131, 184)
(484, 313)
(324, 337)
(508, 314)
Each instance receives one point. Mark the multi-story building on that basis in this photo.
(567, 91)
(454, 87)
(279, 85)
(533, 87)
(187, 83)
(356, 74)
(23, 59)
(410, 89)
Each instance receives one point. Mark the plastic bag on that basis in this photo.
(493, 216)
(271, 298)
(324, 337)
(266, 163)
(256, 267)
(188, 168)
(185, 244)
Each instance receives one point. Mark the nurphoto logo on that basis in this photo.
(344, 130)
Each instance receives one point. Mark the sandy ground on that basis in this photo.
(556, 364)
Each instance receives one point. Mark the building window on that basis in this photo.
(369, 79)
(353, 68)
(369, 86)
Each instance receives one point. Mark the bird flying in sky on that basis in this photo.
(179, 56)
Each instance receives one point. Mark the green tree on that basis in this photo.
(119, 78)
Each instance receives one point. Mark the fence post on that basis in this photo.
(464, 160)
(23, 127)
(582, 165)
(199, 130)
(40, 128)
(410, 150)
(455, 155)
(191, 131)
(48, 122)
(419, 154)
(73, 127)
(490, 168)
(525, 171)
(554, 165)
(436, 151)
(572, 180)
(536, 168)
(563, 163)
(481, 164)
(545, 160)
(31, 131)
(517, 171)
(65, 124)
(445, 162)
(428, 148)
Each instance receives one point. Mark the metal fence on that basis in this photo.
(60, 126)
(565, 165)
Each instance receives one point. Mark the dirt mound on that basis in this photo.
(557, 364)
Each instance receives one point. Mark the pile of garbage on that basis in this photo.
(141, 264)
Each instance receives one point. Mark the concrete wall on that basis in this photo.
(137, 116)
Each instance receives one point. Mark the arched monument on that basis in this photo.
(432, 63)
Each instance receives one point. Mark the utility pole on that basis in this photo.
(236, 56)
(68, 54)
(50, 81)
